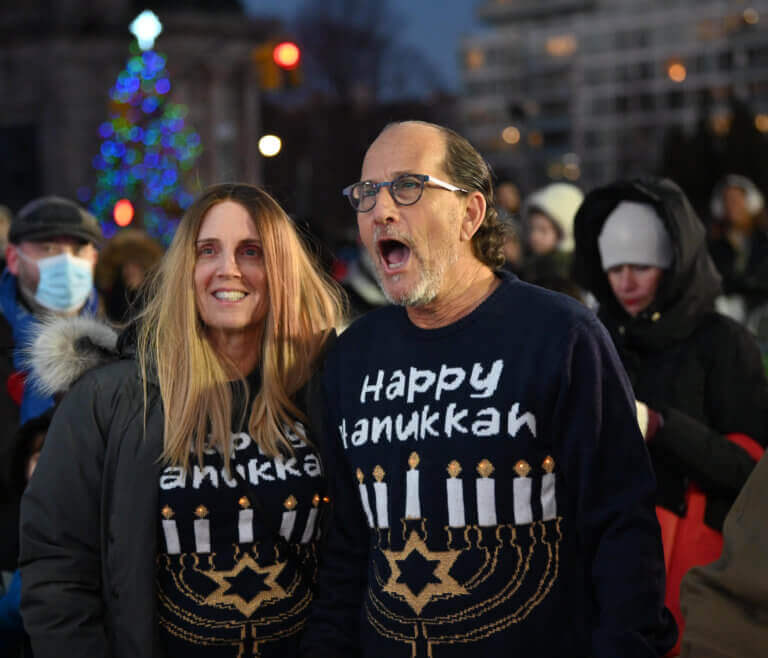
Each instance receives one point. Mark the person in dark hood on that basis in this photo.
(697, 375)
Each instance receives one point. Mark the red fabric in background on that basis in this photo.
(688, 541)
(15, 386)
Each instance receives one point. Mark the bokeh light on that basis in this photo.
(286, 55)
(123, 212)
(270, 145)
(511, 135)
(676, 71)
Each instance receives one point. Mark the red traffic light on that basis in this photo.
(123, 212)
(286, 55)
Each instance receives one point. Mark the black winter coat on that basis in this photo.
(9, 417)
(106, 487)
(109, 475)
(700, 370)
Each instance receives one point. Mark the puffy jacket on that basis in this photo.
(700, 370)
(107, 470)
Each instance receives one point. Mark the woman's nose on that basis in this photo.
(229, 265)
(627, 279)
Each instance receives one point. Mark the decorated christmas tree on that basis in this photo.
(147, 148)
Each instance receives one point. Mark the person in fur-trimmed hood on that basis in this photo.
(697, 375)
(50, 257)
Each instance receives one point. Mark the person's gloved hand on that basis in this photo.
(649, 420)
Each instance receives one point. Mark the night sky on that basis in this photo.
(433, 26)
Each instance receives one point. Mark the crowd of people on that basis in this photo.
(498, 423)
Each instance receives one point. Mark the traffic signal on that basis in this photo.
(286, 55)
(277, 64)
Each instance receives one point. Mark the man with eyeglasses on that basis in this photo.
(491, 490)
(50, 258)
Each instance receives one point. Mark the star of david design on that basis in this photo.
(265, 588)
(435, 583)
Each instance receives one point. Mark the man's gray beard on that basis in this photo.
(427, 286)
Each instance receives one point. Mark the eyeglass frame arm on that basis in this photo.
(425, 178)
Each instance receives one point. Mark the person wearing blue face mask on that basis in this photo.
(50, 259)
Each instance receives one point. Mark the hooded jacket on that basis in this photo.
(107, 468)
(701, 371)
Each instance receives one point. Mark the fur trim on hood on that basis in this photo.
(61, 350)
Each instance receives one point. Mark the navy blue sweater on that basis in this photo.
(491, 490)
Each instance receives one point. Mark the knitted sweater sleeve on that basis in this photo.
(333, 626)
(610, 478)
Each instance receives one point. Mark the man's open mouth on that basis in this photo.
(393, 254)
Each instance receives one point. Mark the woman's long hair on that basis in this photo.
(194, 379)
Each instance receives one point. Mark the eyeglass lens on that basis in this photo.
(406, 190)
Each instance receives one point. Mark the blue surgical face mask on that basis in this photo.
(65, 282)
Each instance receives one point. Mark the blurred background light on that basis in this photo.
(270, 145)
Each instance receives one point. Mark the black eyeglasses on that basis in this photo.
(405, 190)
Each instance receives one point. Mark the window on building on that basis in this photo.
(647, 102)
(594, 139)
(19, 166)
(675, 99)
(556, 138)
(757, 56)
(474, 59)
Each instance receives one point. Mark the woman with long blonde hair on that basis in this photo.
(176, 508)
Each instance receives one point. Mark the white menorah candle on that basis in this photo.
(380, 493)
(412, 503)
(202, 528)
(245, 521)
(522, 494)
(486, 495)
(548, 501)
(289, 517)
(455, 494)
(171, 532)
(364, 497)
(309, 529)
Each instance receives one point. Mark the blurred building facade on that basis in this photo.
(584, 90)
(58, 61)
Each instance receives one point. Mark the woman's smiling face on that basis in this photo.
(231, 289)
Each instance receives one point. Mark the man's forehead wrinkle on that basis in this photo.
(394, 153)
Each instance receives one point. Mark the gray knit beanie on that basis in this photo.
(633, 234)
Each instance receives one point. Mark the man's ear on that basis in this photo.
(473, 216)
(12, 258)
